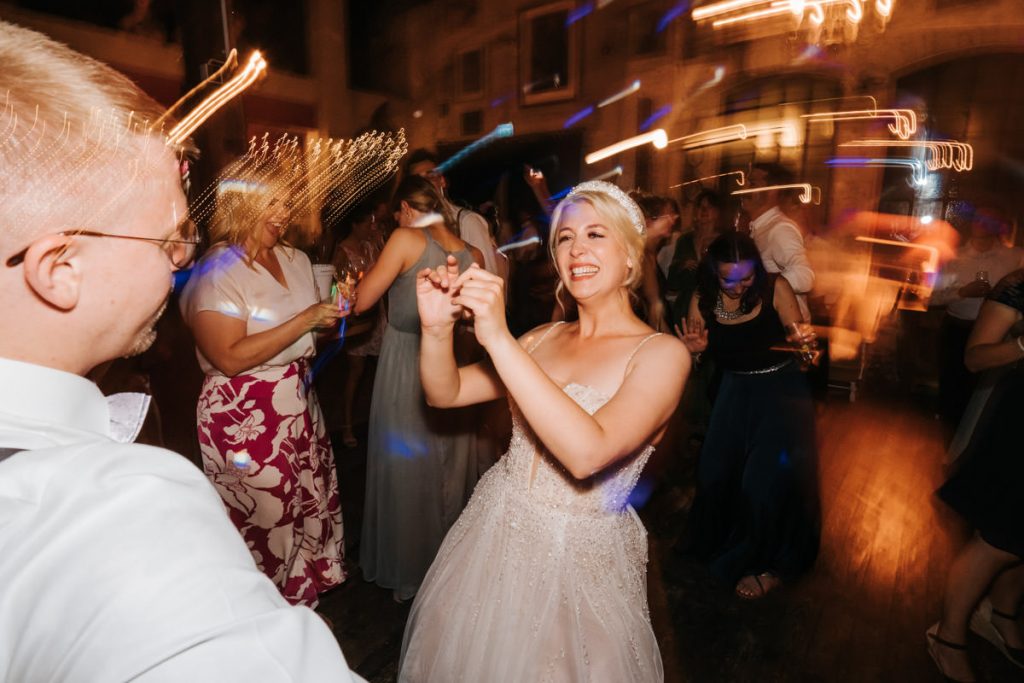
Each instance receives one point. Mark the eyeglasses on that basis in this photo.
(180, 252)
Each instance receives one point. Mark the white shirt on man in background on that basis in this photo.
(475, 231)
(781, 244)
(119, 560)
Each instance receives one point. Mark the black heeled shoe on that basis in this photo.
(981, 623)
(934, 642)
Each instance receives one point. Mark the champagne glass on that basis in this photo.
(806, 349)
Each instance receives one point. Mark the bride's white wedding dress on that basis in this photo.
(542, 578)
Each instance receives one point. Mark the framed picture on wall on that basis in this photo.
(548, 53)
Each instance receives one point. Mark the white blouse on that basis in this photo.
(224, 281)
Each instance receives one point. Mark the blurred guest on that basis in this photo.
(708, 217)
(355, 254)
(962, 286)
(668, 249)
(660, 219)
(117, 561)
(985, 585)
(253, 308)
(421, 463)
(756, 515)
(470, 226)
(777, 236)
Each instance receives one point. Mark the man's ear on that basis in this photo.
(52, 271)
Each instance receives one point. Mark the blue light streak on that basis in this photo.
(674, 13)
(578, 13)
(659, 113)
(503, 130)
(578, 116)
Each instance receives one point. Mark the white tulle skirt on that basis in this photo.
(525, 591)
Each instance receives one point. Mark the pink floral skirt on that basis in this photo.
(266, 450)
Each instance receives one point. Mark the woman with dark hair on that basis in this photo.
(756, 515)
(681, 281)
(420, 462)
(985, 586)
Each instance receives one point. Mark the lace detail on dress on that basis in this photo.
(606, 492)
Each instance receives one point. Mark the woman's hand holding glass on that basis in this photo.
(805, 339)
(693, 335)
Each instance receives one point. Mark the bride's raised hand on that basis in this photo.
(434, 297)
(483, 295)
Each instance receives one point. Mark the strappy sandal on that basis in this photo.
(981, 623)
(770, 582)
(934, 641)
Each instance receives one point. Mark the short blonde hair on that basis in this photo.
(242, 198)
(73, 133)
(616, 218)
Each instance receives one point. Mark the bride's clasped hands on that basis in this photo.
(444, 296)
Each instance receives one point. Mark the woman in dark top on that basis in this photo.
(681, 282)
(756, 514)
(987, 490)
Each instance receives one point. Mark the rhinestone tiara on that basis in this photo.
(636, 216)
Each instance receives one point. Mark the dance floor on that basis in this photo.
(859, 616)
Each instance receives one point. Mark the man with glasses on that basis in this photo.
(117, 561)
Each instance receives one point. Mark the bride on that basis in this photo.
(543, 577)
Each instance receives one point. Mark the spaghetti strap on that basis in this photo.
(640, 345)
(544, 336)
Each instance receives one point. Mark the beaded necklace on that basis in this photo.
(720, 311)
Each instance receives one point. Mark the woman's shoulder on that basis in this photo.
(534, 337)
(661, 347)
(218, 260)
(1010, 290)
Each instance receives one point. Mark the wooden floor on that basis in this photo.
(860, 615)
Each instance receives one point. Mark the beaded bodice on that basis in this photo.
(607, 492)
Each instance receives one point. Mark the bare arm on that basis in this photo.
(985, 347)
(791, 257)
(583, 443)
(586, 444)
(786, 304)
(395, 258)
(223, 341)
(446, 385)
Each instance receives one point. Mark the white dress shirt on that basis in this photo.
(475, 231)
(782, 249)
(118, 562)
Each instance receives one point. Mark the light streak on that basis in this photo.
(930, 265)
(578, 13)
(676, 11)
(656, 137)
(578, 116)
(732, 133)
(255, 67)
(957, 156)
(904, 121)
(884, 8)
(502, 130)
(741, 181)
(659, 113)
(806, 191)
(919, 174)
(629, 90)
(518, 245)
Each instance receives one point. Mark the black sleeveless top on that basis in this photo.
(747, 346)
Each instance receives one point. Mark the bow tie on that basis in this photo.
(127, 413)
